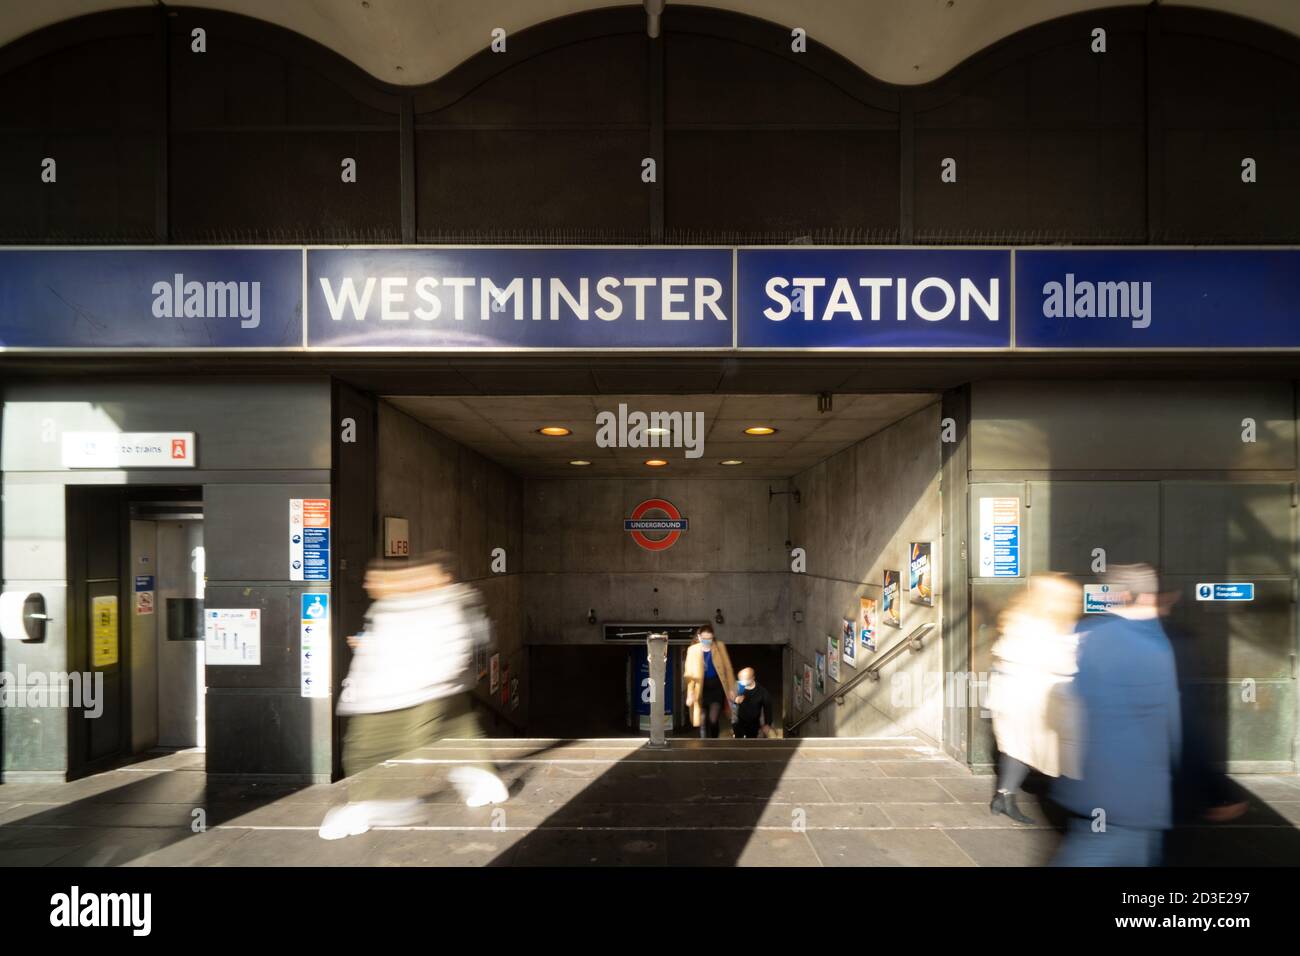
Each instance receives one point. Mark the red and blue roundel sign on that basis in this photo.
(652, 516)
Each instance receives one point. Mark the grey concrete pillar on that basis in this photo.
(657, 649)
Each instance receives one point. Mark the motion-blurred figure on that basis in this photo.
(753, 707)
(1127, 686)
(408, 687)
(709, 681)
(1034, 717)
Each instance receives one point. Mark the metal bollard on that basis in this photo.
(657, 650)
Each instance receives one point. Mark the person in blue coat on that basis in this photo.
(1127, 690)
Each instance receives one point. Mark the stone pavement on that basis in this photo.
(812, 802)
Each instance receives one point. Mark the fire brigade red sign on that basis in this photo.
(655, 516)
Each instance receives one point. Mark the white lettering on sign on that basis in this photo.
(433, 297)
(931, 299)
(128, 450)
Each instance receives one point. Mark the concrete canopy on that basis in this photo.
(416, 41)
(504, 429)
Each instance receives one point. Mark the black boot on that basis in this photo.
(1005, 803)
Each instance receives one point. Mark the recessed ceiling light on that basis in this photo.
(760, 430)
(656, 462)
(656, 431)
(732, 461)
(555, 431)
(579, 461)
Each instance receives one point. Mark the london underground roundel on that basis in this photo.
(655, 516)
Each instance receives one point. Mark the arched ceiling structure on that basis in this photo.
(413, 42)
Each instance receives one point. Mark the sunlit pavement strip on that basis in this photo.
(846, 801)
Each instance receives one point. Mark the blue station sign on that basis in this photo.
(519, 298)
(1157, 298)
(398, 299)
(151, 298)
(874, 298)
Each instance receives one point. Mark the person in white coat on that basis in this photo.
(1035, 719)
(408, 686)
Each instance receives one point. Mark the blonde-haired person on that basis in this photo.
(710, 681)
(1034, 660)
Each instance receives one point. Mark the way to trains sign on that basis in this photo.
(654, 516)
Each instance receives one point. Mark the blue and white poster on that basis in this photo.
(309, 539)
(999, 551)
(314, 640)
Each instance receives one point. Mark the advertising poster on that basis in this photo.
(848, 643)
(494, 671)
(103, 616)
(920, 574)
(891, 609)
(821, 673)
(808, 683)
(798, 693)
(867, 622)
(833, 657)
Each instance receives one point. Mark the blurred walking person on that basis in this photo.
(709, 681)
(1029, 688)
(408, 686)
(1127, 685)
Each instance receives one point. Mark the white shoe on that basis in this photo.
(348, 820)
(479, 787)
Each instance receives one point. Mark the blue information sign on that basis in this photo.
(1225, 592)
(1157, 298)
(1006, 551)
(874, 298)
(315, 554)
(519, 298)
(150, 298)
(315, 606)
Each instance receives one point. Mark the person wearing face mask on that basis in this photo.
(709, 679)
(753, 707)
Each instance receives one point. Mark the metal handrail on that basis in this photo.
(871, 672)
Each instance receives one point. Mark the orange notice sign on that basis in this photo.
(315, 512)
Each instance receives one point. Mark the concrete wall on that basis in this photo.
(259, 443)
(859, 512)
(458, 501)
(578, 557)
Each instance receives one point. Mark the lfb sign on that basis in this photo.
(655, 516)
